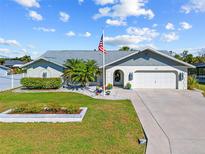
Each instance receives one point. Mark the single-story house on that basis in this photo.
(13, 63)
(4, 70)
(200, 72)
(147, 68)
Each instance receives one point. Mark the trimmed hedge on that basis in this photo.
(41, 83)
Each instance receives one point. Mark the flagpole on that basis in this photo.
(103, 66)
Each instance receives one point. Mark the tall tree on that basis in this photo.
(124, 48)
(2, 60)
(25, 59)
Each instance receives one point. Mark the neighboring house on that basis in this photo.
(3, 70)
(200, 72)
(147, 68)
(13, 63)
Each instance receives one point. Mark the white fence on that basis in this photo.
(10, 81)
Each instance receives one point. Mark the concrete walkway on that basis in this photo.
(158, 142)
(180, 116)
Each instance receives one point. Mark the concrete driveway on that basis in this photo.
(180, 116)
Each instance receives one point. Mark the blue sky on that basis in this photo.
(34, 26)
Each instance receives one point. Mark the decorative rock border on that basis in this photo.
(53, 118)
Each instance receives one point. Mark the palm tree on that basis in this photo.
(79, 71)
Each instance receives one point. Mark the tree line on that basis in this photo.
(24, 59)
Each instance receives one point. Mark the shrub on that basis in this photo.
(73, 109)
(27, 108)
(109, 86)
(192, 82)
(128, 86)
(41, 83)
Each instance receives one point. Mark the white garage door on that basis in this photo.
(155, 80)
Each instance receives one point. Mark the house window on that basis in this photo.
(44, 74)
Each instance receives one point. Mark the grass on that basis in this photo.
(108, 127)
(201, 86)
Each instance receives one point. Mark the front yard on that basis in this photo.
(108, 127)
(201, 86)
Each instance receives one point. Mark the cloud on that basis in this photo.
(28, 3)
(169, 26)
(102, 12)
(104, 2)
(16, 52)
(43, 29)
(13, 53)
(80, 1)
(9, 42)
(87, 34)
(35, 16)
(154, 25)
(124, 9)
(185, 25)
(30, 46)
(133, 37)
(116, 22)
(169, 37)
(70, 34)
(4, 50)
(64, 17)
(121, 40)
(194, 5)
(145, 33)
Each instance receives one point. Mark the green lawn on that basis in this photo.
(108, 127)
(201, 86)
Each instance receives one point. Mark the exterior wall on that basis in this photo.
(146, 61)
(3, 72)
(131, 69)
(38, 68)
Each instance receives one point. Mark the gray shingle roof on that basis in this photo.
(200, 65)
(60, 56)
(4, 67)
(13, 62)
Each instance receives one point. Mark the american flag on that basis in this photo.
(101, 45)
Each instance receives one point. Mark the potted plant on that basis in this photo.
(109, 86)
(128, 86)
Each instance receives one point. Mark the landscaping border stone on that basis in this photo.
(53, 118)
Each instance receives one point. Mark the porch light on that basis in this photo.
(130, 77)
(181, 76)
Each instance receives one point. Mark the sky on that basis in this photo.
(32, 27)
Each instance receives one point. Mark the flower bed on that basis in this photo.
(46, 115)
(48, 109)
